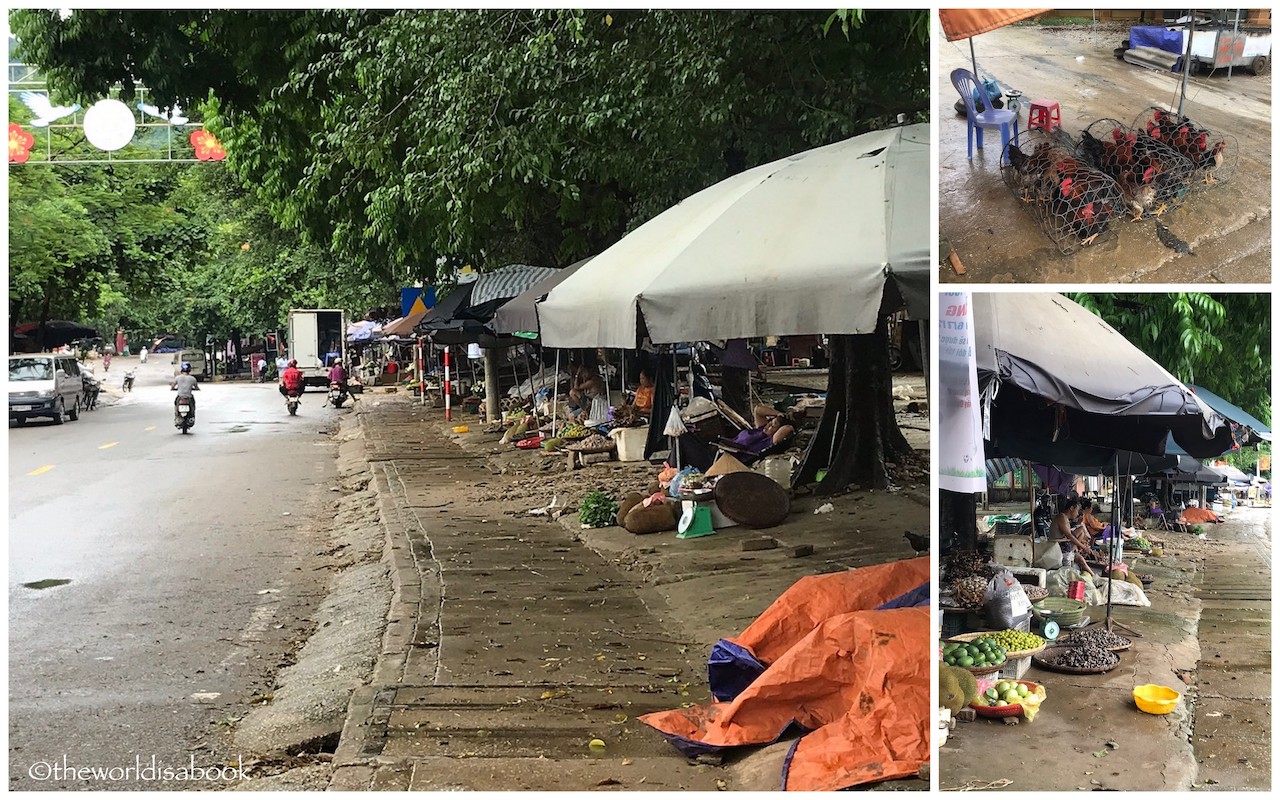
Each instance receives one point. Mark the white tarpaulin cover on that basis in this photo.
(803, 245)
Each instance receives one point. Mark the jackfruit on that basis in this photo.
(957, 688)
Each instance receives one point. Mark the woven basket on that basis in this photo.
(1009, 655)
(1049, 665)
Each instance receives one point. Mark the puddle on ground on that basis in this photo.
(47, 583)
(238, 429)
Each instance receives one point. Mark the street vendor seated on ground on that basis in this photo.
(1066, 532)
(587, 394)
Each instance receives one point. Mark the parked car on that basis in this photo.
(44, 385)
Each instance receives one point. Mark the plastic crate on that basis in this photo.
(1014, 670)
(954, 622)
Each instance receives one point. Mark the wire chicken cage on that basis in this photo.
(1213, 155)
(1074, 203)
(1153, 177)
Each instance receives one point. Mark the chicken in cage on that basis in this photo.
(1213, 156)
(1152, 177)
(1073, 203)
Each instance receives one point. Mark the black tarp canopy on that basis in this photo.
(1055, 378)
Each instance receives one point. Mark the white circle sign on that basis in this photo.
(109, 125)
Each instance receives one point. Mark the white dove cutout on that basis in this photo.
(45, 110)
(175, 116)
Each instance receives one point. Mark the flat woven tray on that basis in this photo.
(1009, 655)
(1040, 662)
(1065, 641)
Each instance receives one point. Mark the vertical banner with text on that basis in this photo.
(962, 461)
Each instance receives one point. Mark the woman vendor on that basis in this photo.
(644, 394)
(1090, 521)
(771, 428)
(1070, 536)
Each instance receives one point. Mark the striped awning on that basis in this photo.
(997, 468)
(507, 282)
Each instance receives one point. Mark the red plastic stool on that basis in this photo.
(1045, 114)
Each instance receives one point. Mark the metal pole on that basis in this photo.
(555, 394)
(1115, 534)
(1235, 37)
(974, 59)
(622, 376)
(448, 391)
(1186, 62)
(422, 380)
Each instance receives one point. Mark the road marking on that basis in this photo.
(150, 428)
(108, 444)
(41, 470)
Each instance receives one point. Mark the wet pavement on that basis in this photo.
(514, 641)
(1227, 226)
(155, 584)
(1210, 622)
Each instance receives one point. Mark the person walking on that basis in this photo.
(142, 355)
(106, 361)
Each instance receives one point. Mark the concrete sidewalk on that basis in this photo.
(513, 641)
(1206, 634)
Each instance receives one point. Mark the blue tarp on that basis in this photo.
(1233, 412)
(1156, 36)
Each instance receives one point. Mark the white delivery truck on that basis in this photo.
(317, 337)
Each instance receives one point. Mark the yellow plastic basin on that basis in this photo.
(461, 428)
(1155, 699)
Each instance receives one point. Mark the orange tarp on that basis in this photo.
(855, 677)
(964, 23)
(1199, 515)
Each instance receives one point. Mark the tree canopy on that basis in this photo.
(1221, 341)
(406, 142)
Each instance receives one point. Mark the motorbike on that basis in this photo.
(128, 381)
(337, 395)
(184, 415)
(291, 402)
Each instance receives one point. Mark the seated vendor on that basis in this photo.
(644, 394)
(1070, 537)
(1090, 520)
(771, 428)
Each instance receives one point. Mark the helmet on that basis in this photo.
(186, 366)
(293, 362)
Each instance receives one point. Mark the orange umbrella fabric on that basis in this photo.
(836, 664)
(965, 23)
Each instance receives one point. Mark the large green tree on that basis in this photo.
(401, 138)
(1221, 341)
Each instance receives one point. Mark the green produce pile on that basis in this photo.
(1004, 693)
(1013, 641)
(597, 510)
(1138, 544)
(984, 651)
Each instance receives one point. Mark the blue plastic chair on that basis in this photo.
(969, 87)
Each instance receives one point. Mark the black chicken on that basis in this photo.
(918, 543)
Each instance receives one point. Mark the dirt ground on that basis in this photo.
(1228, 226)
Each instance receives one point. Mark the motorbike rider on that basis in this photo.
(186, 386)
(338, 375)
(291, 382)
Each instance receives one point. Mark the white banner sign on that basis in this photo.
(961, 459)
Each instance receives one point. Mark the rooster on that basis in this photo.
(1032, 168)
(1212, 159)
(1080, 199)
(1138, 191)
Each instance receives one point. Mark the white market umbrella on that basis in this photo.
(802, 245)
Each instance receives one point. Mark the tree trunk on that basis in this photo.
(858, 417)
(957, 521)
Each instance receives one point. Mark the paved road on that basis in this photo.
(186, 581)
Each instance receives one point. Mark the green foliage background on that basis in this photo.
(374, 148)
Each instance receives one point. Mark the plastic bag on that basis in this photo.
(1006, 602)
(1051, 558)
(675, 425)
(680, 477)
